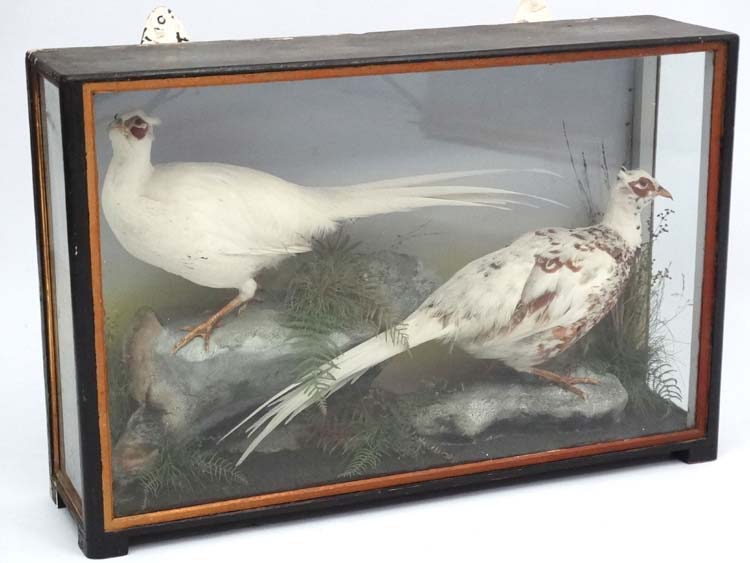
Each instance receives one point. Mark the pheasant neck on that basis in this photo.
(131, 166)
(624, 217)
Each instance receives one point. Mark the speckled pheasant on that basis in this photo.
(523, 304)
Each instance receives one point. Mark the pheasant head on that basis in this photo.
(132, 133)
(639, 186)
(631, 193)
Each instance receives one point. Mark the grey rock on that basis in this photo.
(249, 358)
(474, 412)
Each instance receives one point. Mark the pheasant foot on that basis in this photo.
(565, 381)
(205, 328)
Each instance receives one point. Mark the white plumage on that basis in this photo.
(522, 304)
(219, 225)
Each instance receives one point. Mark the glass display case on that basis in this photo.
(280, 275)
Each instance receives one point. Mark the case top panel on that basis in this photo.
(232, 57)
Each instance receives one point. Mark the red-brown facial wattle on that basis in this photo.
(642, 187)
(139, 132)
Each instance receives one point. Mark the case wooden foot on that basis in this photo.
(103, 546)
(699, 453)
(56, 497)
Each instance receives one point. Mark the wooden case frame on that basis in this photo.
(80, 74)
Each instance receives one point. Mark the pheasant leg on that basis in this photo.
(205, 328)
(565, 381)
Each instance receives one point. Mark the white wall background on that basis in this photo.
(667, 511)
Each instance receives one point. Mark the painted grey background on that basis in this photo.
(665, 511)
(350, 130)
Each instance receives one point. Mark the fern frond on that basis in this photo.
(212, 465)
(364, 460)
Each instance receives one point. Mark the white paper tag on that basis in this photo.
(163, 27)
(532, 11)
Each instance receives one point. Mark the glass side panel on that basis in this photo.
(58, 228)
(682, 147)
(398, 272)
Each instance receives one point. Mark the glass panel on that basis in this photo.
(66, 367)
(682, 145)
(473, 323)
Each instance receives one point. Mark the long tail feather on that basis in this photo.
(409, 192)
(346, 368)
(443, 176)
(451, 192)
(347, 203)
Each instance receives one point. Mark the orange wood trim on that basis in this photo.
(397, 68)
(68, 491)
(102, 398)
(112, 523)
(718, 91)
(47, 282)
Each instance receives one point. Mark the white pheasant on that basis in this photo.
(523, 304)
(219, 225)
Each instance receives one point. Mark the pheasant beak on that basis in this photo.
(664, 192)
(115, 123)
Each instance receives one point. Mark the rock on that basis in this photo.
(249, 359)
(474, 412)
(259, 330)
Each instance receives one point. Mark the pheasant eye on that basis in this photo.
(161, 19)
(641, 187)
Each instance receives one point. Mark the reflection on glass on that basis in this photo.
(66, 368)
(371, 212)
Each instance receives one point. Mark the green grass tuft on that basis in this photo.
(334, 293)
(365, 432)
(188, 468)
